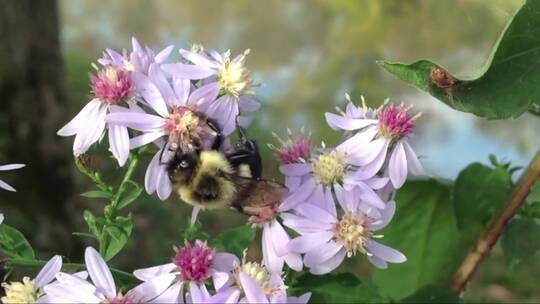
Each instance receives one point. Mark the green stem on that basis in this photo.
(119, 274)
(133, 163)
(94, 176)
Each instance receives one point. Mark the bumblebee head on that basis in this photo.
(183, 166)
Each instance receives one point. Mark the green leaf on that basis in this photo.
(335, 288)
(13, 243)
(521, 240)
(506, 86)
(129, 195)
(479, 192)
(195, 232)
(119, 231)
(424, 229)
(432, 294)
(97, 194)
(235, 240)
(92, 223)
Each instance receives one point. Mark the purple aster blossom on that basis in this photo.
(110, 86)
(179, 120)
(328, 170)
(9, 167)
(257, 285)
(224, 77)
(30, 291)
(138, 61)
(196, 264)
(381, 140)
(74, 289)
(326, 238)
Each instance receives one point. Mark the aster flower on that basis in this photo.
(180, 120)
(196, 264)
(326, 238)
(110, 86)
(328, 170)
(73, 289)
(139, 60)
(381, 138)
(274, 239)
(222, 76)
(30, 291)
(258, 285)
(8, 167)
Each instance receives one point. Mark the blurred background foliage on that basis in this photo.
(306, 55)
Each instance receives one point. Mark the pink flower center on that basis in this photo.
(111, 84)
(120, 299)
(194, 261)
(294, 150)
(396, 121)
(185, 126)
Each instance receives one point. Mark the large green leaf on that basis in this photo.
(424, 229)
(479, 192)
(235, 240)
(14, 244)
(335, 288)
(507, 85)
(521, 240)
(119, 233)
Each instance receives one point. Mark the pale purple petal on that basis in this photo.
(152, 171)
(136, 46)
(315, 213)
(164, 54)
(152, 288)
(292, 183)
(397, 166)
(254, 292)
(188, 71)
(294, 261)
(48, 272)
(149, 273)
(369, 196)
(338, 122)
(386, 216)
(329, 202)
(160, 81)
(377, 262)
(182, 88)
(377, 183)
(371, 168)
(58, 293)
(151, 94)
(279, 238)
(344, 197)
(144, 139)
(6, 186)
(173, 294)
(295, 169)
(229, 296)
(222, 279)
(11, 167)
(321, 253)
(352, 111)
(270, 258)
(78, 280)
(368, 151)
(245, 121)
(358, 142)
(248, 104)
(119, 143)
(224, 261)
(384, 252)
(414, 165)
(164, 186)
(198, 293)
(198, 59)
(307, 242)
(299, 195)
(330, 264)
(204, 96)
(80, 121)
(138, 121)
(303, 225)
(224, 110)
(91, 132)
(99, 272)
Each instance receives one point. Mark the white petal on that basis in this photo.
(386, 216)
(164, 54)
(149, 273)
(151, 94)
(315, 213)
(385, 253)
(11, 167)
(173, 294)
(58, 293)
(397, 167)
(254, 292)
(299, 195)
(48, 272)
(307, 242)
(6, 186)
(198, 59)
(99, 272)
(119, 143)
(273, 262)
(330, 264)
(414, 165)
(138, 121)
(161, 82)
(321, 253)
(152, 288)
(144, 139)
(79, 121)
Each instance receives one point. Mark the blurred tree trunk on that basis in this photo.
(32, 98)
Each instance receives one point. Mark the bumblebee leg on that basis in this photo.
(250, 156)
(218, 139)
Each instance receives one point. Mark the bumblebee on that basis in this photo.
(214, 179)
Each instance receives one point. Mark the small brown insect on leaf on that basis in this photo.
(442, 79)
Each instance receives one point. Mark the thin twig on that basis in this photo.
(496, 228)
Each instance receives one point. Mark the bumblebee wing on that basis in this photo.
(254, 194)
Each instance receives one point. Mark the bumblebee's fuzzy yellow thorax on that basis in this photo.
(212, 166)
(212, 161)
